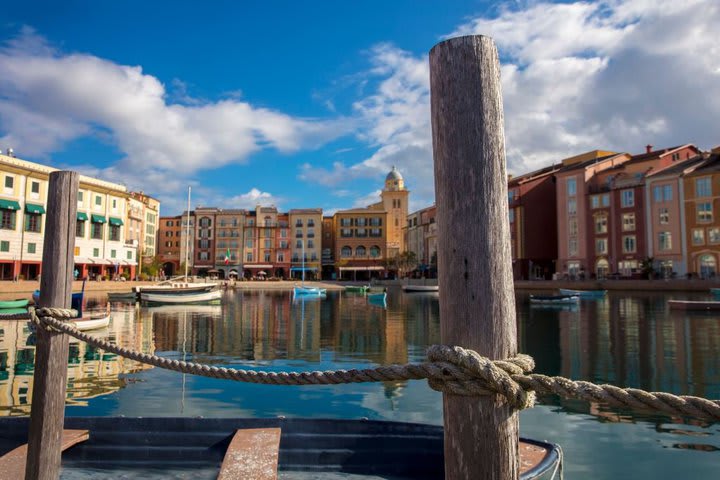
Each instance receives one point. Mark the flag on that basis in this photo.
(227, 256)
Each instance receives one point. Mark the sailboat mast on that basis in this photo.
(187, 236)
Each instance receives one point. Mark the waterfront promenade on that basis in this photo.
(10, 289)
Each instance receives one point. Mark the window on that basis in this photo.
(98, 200)
(311, 223)
(249, 257)
(376, 222)
(33, 222)
(267, 256)
(601, 224)
(662, 193)
(511, 196)
(572, 246)
(703, 188)
(80, 228)
(346, 252)
(346, 232)
(114, 233)
(595, 201)
(96, 231)
(32, 247)
(512, 215)
(374, 251)
(664, 216)
(249, 243)
(361, 232)
(667, 193)
(698, 236)
(204, 243)
(665, 241)
(96, 252)
(268, 243)
(627, 198)
(606, 200)
(9, 182)
(80, 197)
(7, 221)
(628, 222)
(4, 246)
(601, 246)
(704, 212)
(657, 194)
(629, 245)
(281, 257)
(129, 255)
(298, 233)
(345, 222)
(360, 251)
(571, 187)
(311, 244)
(375, 232)
(572, 226)
(298, 244)
(113, 253)
(114, 204)
(35, 187)
(360, 222)
(572, 206)
(714, 235)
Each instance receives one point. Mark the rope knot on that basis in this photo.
(465, 372)
(39, 316)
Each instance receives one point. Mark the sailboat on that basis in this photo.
(302, 289)
(181, 292)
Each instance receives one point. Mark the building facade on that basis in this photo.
(701, 188)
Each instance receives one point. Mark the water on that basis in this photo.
(629, 340)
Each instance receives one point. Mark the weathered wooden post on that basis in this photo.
(51, 351)
(477, 301)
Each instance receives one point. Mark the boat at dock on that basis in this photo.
(309, 291)
(131, 447)
(695, 305)
(555, 299)
(420, 288)
(584, 294)
(13, 304)
(181, 296)
(357, 288)
(122, 296)
(377, 296)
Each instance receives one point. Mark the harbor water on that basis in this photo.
(628, 340)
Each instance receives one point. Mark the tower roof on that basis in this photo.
(393, 175)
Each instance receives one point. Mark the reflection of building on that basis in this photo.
(91, 372)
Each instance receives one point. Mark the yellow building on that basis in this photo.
(100, 246)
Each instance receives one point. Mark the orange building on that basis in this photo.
(701, 188)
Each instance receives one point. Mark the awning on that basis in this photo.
(9, 205)
(360, 269)
(82, 216)
(257, 266)
(102, 261)
(37, 209)
(300, 269)
(97, 218)
(116, 221)
(80, 260)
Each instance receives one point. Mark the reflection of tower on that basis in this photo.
(395, 203)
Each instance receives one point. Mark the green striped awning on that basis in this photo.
(32, 208)
(82, 216)
(97, 218)
(115, 221)
(9, 205)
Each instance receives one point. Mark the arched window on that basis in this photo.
(268, 222)
(346, 252)
(360, 251)
(708, 266)
(374, 251)
(602, 268)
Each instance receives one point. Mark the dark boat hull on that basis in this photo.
(119, 444)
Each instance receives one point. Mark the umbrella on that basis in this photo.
(261, 272)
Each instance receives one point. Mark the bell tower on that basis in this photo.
(395, 203)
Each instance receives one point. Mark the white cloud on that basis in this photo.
(49, 98)
(614, 74)
(251, 199)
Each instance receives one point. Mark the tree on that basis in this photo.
(153, 267)
(403, 263)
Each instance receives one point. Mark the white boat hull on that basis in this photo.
(179, 298)
(421, 288)
(91, 323)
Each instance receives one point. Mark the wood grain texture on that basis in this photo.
(12, 464)
(252, 454)
(51, 351)
(477, 301)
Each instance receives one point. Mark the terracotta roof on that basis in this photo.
(592, 161)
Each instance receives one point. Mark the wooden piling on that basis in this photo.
(51, 350)
(477, 300)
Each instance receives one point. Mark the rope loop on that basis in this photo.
(467, 373)
(38, 314)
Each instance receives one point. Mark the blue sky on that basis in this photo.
(309, 104)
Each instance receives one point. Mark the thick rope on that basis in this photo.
(452, 370)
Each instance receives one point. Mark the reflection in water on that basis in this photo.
(630, 341)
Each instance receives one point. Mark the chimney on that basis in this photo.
(648, 148)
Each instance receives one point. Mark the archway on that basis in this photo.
(707, 266)
(602, 268)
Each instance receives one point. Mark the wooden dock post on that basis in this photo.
(51, 351)
(477, 300)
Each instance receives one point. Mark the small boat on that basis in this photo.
(122, 296)
(421, 288)
(696, 305)
(583, 293)
(125, 447)
(76, 300)
(92, 322)
(309, 291)
(377, 298)
(175, 287)
(11, 312)
(18, 303)
(715, 291)
(179, 297)
(357, 288)
(554, 299)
